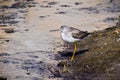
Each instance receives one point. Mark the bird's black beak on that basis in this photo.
(54, 30)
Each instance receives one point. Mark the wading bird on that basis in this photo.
(72, 35)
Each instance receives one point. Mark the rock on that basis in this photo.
(118, 40)
(33, 56)
(65, 5)
(78, 3)
(9, 30)
(7, 40)
(42, 16)
(19, 5)
(60, 12)
(52, 3)
(31, 6)
(105, 43)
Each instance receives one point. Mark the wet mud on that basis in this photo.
(30, 45)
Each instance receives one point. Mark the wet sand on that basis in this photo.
(29, 51)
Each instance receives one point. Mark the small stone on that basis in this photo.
(101, 47)
(101, 52)
(26, 29)
(28, 73)
(52, 3)
(9, 30)
(87, 66)
(118, 40)
(78, 3)
(65, 5)
(31, 6)
(7, 40)
(61, 12)
(42, 16)
(105, 43)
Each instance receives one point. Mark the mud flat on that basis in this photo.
(29, 42)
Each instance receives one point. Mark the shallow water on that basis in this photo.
(30, 50)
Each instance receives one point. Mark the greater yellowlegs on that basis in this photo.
(72, 35)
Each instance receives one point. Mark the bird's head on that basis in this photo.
(64, 28)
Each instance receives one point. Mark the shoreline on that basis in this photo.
(29, 47)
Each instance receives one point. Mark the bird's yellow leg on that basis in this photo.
(75, 48)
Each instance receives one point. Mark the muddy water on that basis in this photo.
(31, 48)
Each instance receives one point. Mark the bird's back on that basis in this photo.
(76, 33)
(71, 34)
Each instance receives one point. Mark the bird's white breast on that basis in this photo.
(67, 36)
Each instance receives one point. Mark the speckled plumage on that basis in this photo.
(70, 34)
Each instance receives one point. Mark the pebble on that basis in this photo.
(118, 40)
(61, 12)
(105, 43)
(52, 3)
(78, 3)
(65, 5)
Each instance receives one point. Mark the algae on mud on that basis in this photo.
(101, 61)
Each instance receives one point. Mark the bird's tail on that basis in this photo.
(85, 34)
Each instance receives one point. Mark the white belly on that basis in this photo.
(68, 37)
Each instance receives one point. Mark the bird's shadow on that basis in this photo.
(65, 54)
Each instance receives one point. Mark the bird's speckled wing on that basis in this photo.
(79, 34)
